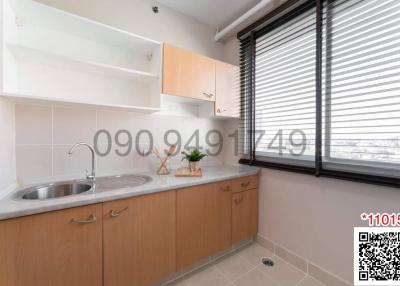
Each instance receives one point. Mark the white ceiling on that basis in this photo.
(214, 13)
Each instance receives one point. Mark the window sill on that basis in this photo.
(348, 176)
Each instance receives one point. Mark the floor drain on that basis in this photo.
(267, 262)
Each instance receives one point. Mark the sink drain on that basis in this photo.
(267, 262)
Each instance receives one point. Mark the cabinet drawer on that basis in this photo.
(225, 186)
(244, 184)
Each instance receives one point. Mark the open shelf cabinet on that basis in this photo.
(51, 55)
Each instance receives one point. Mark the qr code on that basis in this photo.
(377, 256)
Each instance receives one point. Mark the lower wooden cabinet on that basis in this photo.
(203, 222)
(50, 249)
(139, 239)
(130, 242)
(244, 215)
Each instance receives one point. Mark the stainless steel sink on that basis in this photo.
(55, 190)
(120, 182)
(71, 188)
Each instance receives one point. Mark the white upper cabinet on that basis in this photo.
(227, 86)
(51, 55)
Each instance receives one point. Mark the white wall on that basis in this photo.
(231, 51)
(137, 17)
(314, 217)
(7, 142)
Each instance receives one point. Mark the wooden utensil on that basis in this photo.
(169, 153)
(157, 154)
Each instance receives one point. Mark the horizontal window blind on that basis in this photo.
(285, 92)
(362, 86)
(246, 75)
(320, 90)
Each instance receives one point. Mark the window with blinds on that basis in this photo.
(285, 92)
(321, 90)
(361, 86)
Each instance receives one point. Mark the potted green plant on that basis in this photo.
(193, 157)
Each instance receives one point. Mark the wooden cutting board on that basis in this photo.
(184, 172)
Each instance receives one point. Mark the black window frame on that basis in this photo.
(280, 16)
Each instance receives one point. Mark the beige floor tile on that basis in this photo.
(233, 267)
(325, 277)
(309, 281)
(254, 278)
(283, 273)
(209, 276)
(254, 253)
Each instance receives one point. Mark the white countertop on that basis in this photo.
(11, 208)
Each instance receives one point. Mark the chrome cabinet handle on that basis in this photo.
(114, 213)
(225, 189)
(238, 201)
(91, 219)
(245, 184)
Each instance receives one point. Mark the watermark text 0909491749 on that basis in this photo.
(125, 142)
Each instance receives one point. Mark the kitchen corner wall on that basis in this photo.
(7, 150)
(44, 133)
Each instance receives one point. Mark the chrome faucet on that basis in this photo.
(92, 175)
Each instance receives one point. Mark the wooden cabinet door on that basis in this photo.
(227, 83)
(244, 215)
(220, 203)
(139, 239)
(188, 74)
(50, 249)
(203, 222)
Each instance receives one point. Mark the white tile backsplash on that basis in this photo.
(113, 121)
(33, 125)
(34, 163)
(71, 125)
(44, 158)
(71, 165)
(113, 163)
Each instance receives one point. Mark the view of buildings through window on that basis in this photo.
(362, 80)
